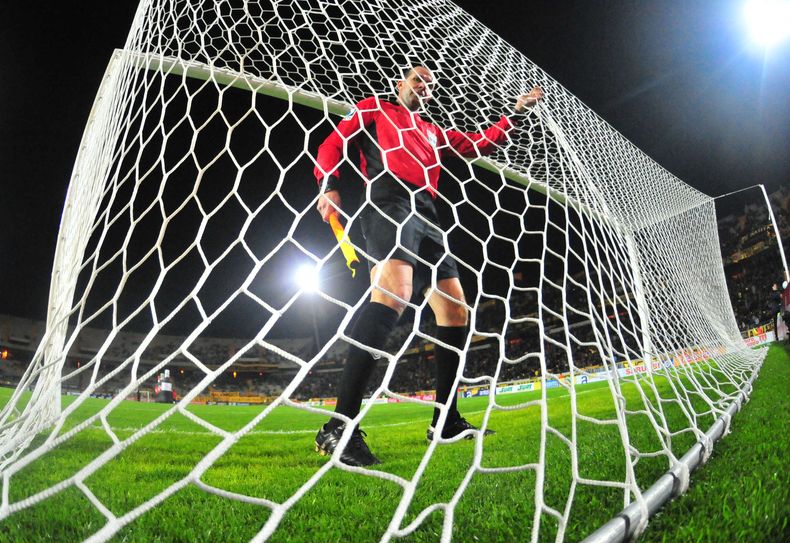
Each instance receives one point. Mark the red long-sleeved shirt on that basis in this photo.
(401, 143)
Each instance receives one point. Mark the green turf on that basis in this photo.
(743, 492)
(277, 458)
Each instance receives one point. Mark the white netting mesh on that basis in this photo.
(192, 193)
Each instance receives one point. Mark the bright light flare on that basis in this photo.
(767, 21)
(306, 277)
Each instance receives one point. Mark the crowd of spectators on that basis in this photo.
(262, 371)
(752, 264)
(751, 285)
(750, 269)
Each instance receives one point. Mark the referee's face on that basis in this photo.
(414, 90)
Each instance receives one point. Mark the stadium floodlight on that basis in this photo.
(768, 21)
(306, 277)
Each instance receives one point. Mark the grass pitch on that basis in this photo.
(276, 459)
(743, 492)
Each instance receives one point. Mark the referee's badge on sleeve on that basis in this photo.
(432, 138)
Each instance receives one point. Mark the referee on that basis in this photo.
(400, 155)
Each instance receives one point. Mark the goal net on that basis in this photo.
(593, 278)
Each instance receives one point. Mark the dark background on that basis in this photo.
(677, 78)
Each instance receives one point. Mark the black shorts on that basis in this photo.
(393, 229)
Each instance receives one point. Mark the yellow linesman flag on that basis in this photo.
(345, 246)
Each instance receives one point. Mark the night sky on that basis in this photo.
(677, 78)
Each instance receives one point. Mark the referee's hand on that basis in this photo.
(328, 203)
(526, 101)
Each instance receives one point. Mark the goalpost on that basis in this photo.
(187, 201)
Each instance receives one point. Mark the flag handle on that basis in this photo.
(342, 240)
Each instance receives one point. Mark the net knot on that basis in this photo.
(641, 525)
(727, 420)
(682, 479)
(707, 449)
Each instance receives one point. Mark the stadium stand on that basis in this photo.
(751, 262)
(748, 250)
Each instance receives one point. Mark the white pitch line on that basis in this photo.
(310, 431)
(253, 432)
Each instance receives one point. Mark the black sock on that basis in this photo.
(372, 328)
(446, 367)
